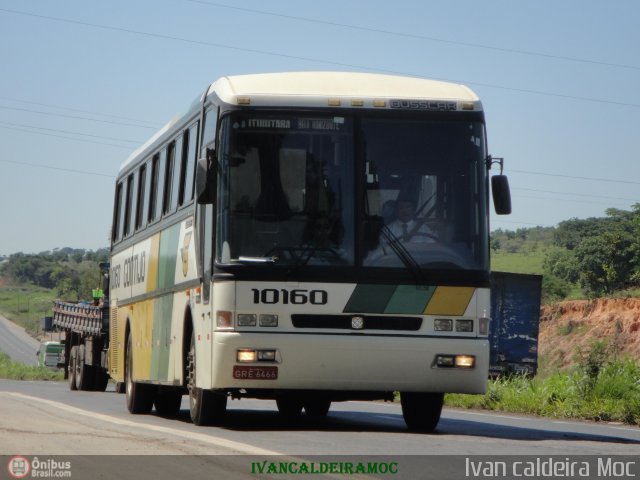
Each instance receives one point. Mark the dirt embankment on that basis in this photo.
(569, 327)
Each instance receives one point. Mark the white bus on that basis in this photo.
(257, 249)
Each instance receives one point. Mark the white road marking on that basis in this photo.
(237, 447)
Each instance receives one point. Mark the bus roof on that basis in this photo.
(315, 89)
(321, 85)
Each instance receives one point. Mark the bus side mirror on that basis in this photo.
(206, 181)
(501, 194)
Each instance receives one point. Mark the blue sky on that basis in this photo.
(84, 83)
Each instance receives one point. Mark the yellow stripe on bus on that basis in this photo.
(449, 301)
(154, 258)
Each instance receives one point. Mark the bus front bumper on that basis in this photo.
(352, 362)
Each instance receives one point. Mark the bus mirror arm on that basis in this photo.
(206, 173)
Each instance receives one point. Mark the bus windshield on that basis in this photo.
(371, 191)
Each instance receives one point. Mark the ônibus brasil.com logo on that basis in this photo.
(20, 467)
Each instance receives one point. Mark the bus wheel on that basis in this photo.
(205, 407)
(84, 373)
(289, 405)
(139, 395)
(73, 358)
(421, 411)
(167, 401)
(317, 407)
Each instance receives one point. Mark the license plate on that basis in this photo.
(243, 372)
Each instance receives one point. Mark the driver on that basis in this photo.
(407, 228)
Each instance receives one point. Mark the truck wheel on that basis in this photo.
(71, 369)
(289, 405)
(205, 407)
(84, 373)
(139, 395)
(421, 411)
(168, 401)
(317, 407)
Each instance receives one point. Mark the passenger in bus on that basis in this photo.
(322, 246)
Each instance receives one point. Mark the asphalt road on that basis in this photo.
(16, 343)
(46, 418)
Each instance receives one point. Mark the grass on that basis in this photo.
(19, 371)
(610, 392)
(26, 305)
(519, 262)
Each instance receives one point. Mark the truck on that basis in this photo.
(85, 326)
(515, 315)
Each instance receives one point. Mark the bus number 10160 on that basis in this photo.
(272, 296)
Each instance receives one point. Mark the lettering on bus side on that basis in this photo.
(423, 105)
(271, 296)
(132, 272)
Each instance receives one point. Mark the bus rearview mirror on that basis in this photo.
(501, 194)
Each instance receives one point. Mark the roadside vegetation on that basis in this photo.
(599, 387)
(19, 371)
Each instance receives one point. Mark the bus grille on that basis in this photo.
(344, 322)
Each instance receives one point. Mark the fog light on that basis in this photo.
(483, 326)
(224, 319)
(268, 320)
(247, 320)
(266, 355)
(443, 325)
(246, 356)
(464, 325)
(465, 361)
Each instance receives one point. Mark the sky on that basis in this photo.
(83, 83)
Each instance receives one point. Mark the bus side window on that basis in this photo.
(209, 129)
(129, 206)
(168, 178)
(116, 231)
(153, 190)
(142, 180)
(175, 180)
(160, 185)
(190, 138)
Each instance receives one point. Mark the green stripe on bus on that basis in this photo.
(168, 256)
(369, 298)
(410, 299)
(161, 337)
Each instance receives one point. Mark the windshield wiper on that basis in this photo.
(403, 254)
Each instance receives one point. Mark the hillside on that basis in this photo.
(570, 327)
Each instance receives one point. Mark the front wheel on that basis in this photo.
(139, 395)
(289, 406)
(205, 407)
(421, 410)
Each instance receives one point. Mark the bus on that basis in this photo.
(253, 250)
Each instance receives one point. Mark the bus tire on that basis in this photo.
(205, 407)
(71, 369)
(84, 373)
(139, 395)
(317, 407)
(168, 401)
(421, 410)
(289, 405)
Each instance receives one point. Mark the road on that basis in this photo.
(16, 343)
(46, 418)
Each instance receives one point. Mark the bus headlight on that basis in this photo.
(246, 356)
(247, 319)
(268, 320)
(443, 325)
(464, 325)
